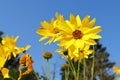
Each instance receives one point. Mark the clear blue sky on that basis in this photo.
(22, 17)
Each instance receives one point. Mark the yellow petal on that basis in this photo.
(5, 73)
(57, 38)
(79, 24)
(89, 52)
(91, 36)
(90, 42)
(16, 38)
(69, 43)
(43, 38)
(50, 40)
(59, 17)
(27, 47)
(2, 61)
(62, 25)
(79, 44)
(46, 25)
(43, 32)
(86, 47)
(92, 22)
(73, 19)
(95, 36)
(116, 69)
(96, 29)
(71, 25)
(85, 19)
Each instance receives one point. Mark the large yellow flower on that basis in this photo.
(77, 32)
(48, 30)
(10, 48)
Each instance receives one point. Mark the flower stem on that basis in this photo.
(78, 70)
(67, 74)
(13, 78)
(36, 75)
(84, 67)
(92, 69)
(72, 68)
(43, 61)
(49, 76)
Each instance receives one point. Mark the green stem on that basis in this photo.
(84, 64)
(12, 78)
(36, 75)
(78, 70)
(43, 60)
(49, 76)
(67, 73)
(92, 70)
(72, 68)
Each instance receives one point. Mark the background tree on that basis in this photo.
(102, 66)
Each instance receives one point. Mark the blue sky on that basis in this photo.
(23, 17)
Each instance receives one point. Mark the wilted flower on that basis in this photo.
(26, 62)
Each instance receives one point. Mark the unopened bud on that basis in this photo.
(47, 55)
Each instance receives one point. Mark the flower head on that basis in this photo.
(74, 53)
(65, 65)
(48, 30)
(78, 55)
(26, 62)
(77, 32)
(47, 55)
(10, 48)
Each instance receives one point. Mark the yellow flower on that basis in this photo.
(80, 54)
(48, 30)
(116, 69)
(74, 53)
(77, 32)
(9, 44)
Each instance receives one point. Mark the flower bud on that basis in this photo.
(47, 55)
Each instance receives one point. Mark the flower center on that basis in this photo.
(77, 34)
(55, 31)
